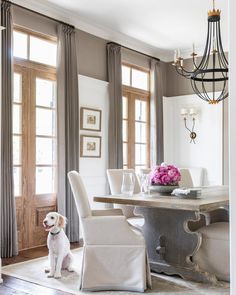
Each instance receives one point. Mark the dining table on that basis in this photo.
(171, 227)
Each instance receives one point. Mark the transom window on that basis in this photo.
(136, 139)
(34, 48)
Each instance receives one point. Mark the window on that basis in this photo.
(34, 112)
(135, 117)
(34, 133)
(34, 48)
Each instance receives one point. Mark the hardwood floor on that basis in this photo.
(16, 286)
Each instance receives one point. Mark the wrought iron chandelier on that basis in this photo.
(209, 77)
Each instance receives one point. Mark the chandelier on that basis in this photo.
(209, 77)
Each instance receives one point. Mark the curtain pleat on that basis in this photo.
(115, 144)
(9, 244)
(156, 113)
(68, 126)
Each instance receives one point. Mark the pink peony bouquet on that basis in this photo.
(165, 175)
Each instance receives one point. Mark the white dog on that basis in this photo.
(60, 256)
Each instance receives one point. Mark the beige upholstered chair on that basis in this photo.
(213, 255)
(115, 177)
(114, 254)
(186, 179)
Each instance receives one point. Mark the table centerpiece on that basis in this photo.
(165, 178)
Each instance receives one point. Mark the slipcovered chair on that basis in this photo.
(197, 174)
(114, 254)
(186, 179)
(115, 177)
(213, 255)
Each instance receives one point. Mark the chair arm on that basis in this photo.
(107, 212)
(218, 215)
(110, 230)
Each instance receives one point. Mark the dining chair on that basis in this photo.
(114, 253)
(115, 177)
(213, 255)
(186, 179)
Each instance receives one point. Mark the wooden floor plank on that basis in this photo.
(15, 286)
(32, 254)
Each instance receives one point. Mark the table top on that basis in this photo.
(211, 198)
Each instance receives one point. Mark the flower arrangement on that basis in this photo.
(165, 175)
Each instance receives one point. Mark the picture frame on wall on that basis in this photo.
(90, 146)
(90, 119)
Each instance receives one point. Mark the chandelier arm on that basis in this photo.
(205, 92)
(186, 71)
(182, 72)
(223, 91)
(200, 94)
(206, 48)
(225, 96)
(222, 95)
(221, 55)
(206, 57)
(221, 47)
(194, 63)
(195, 89)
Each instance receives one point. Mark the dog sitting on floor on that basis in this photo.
(60, 256)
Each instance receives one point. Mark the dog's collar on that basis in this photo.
(55, 233)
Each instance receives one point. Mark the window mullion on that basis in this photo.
(131, 131)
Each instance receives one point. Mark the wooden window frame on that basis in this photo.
(26, 61)
(132, 95)
(31, 207)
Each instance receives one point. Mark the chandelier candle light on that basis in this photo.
(210, 76)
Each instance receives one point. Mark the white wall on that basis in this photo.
(94, 93)
(232, 143)
(208, 150)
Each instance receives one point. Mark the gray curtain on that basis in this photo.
(9, 246)
(68, 125)
(115, 157)
(156, 113)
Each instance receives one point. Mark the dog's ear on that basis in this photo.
(61, 221)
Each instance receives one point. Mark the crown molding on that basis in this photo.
(66, 16)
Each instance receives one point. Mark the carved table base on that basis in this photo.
(170, 242)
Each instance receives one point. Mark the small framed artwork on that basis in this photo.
(90, 146)
(90, 119)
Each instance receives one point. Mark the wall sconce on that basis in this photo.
(192, 113)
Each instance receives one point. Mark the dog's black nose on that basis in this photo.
(45, 222)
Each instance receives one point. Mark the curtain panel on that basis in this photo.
(115, 143)
(9, 244)
(156, 113)
(68, 125)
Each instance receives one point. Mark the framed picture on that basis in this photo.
(90, 119)
(90, 146)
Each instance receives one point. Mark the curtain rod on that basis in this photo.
(41, 14)
(135, 50)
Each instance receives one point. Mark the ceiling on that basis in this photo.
(156, 27)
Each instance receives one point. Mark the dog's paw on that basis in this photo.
(70, 269)
(47, 270)
(57, 275)
(50, 275)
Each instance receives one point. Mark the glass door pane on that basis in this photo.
(17, 133)
(45, 136)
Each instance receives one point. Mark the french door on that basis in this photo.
(34, 152)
